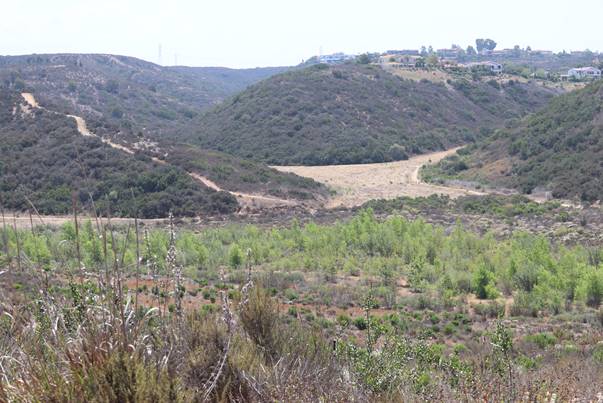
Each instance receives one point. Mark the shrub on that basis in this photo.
(235, 256)
(526, 362)
(598, 354)
(291, 295)
(360, 323)
(542, 340)
(259, 318)
(449, 329)
(490, 310)
(482, 284)
(594, 289)
(459, 348)
(343, 320)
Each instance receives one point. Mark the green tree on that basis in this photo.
(363, 59)
(432, 60)
(235, 256)
(490, 44)
(487, 44)
(594, 289)
(420, 62)
(482, 283)
(112, 86)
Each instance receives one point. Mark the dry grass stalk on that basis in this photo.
(248, 284)
(151, 264)
(34, 209)
(77, 238)
(18, 242)
(31, 224)
(5, 237)
(229, 320)
(137, 262)
(173, 267)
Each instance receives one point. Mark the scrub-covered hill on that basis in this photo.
(45, 159)
(559, 148)
(354, 113)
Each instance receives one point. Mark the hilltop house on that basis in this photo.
(403, 52)
(403, 60)
(537, 52)
(504, 53)
(335, 58)
(451, 53)
(584, 72)
(491, 66)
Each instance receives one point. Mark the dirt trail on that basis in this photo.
(357, 184)
(245, 199)
(81, 126)
(29, 98)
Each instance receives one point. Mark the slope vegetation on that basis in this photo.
(357, 114)
(142, 108)
(559, 149)
(44, 159)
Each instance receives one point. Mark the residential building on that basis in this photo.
(449, 53)
(491, 66)
(584, 73)
(405, 60)
(542, 53)
(335, 58)
(403, 52)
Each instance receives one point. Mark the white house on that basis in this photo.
(335, 58)
(584, 72)
(403, 52)
(492, 66)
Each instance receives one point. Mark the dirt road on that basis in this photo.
(29, 98)
(357, 184)
(245, 199)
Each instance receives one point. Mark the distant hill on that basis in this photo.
(44, 159)
(125, 95)
(559, 148)
(357, 113)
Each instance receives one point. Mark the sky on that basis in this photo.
(254, 33)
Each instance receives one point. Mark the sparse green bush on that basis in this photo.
(542, 340)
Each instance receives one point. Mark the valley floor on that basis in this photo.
(356, 184)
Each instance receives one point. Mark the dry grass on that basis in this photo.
(356, 184)
(418, 74)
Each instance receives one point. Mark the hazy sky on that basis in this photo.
(250, 33)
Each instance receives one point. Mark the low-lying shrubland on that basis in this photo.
(358, 310)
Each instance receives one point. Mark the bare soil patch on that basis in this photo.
(354, 185)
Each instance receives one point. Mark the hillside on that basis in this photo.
(241, 175)
(559, 149)
(324, 115)
(147, 108)
(125, 97)
(44, 159)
